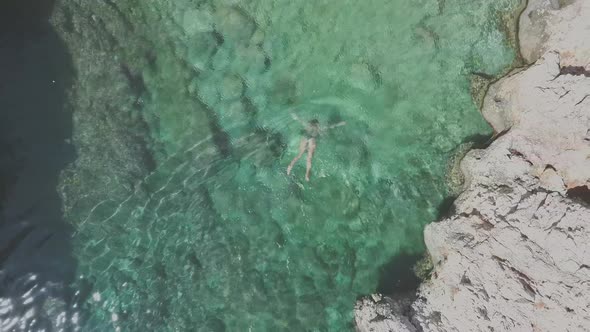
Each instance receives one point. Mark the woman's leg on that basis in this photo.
(310, 150)
(302, 147)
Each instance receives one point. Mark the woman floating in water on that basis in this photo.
(311, 132)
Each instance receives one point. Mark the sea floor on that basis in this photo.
(218, 237)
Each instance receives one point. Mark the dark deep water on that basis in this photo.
(35, 255)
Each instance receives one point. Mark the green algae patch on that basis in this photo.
(218, 237)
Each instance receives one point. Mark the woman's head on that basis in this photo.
(314, 122)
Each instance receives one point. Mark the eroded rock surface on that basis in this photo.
(545, 27)
(373, 314)
(546, 111)
(514, 254)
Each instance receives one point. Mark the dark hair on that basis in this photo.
(314, 122)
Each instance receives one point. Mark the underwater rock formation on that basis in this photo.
(109, 135)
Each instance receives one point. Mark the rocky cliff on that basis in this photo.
(513, 256)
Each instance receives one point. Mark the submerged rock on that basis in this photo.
(109, 135)
(514, 256)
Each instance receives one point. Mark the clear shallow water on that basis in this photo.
(219, 238)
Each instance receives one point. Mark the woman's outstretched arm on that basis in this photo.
(339, 124)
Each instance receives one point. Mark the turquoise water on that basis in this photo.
(218, 237)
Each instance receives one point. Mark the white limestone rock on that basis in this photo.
(543, 28)
(547, 111)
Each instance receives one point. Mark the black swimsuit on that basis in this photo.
(310, 133)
